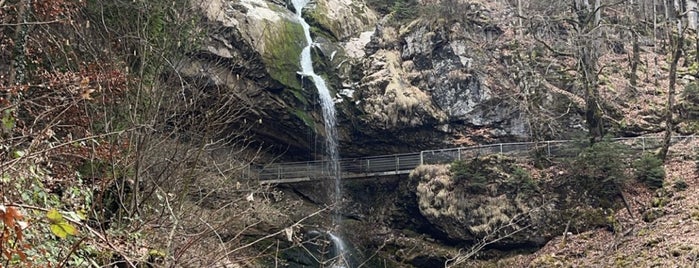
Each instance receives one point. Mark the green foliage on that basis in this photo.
(473, 172)
(479, 172)
(48, 240)
(690, 101)
(59, 226)
(404, 10)
(650, 171)
(603, 161)
(680, 185)
(523, 180)
(599, 170)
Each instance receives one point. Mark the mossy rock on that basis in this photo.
(653, 214)
(658, 202)
(586, 218)
(321, 25)
(283, 45)
(305, 117)
(339, 22)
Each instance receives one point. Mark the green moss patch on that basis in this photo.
(283, 45)
(305, 117)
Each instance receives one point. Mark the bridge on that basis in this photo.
(396, 164)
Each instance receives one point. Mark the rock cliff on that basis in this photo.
(400, 86)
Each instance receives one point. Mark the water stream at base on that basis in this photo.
(332, 151)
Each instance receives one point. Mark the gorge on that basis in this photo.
(477, 133)
(455, 73)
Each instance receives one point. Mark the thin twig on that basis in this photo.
(9, 163)
(72, 250)
(85, 226)
(278, 232)
(30, 23)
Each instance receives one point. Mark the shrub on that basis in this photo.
(602, 162)
(690, 104)
(473, 172)
(691, 93)
(500, 172)
(404, 10)
(650, 171)
(523, 179)
(680, 185)
(599, 170)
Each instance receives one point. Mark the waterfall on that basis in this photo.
(332, 151)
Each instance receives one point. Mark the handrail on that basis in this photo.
(400, 163)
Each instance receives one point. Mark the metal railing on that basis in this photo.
(404, 163)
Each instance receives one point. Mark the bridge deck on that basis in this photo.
(386, 165)
(343, 176)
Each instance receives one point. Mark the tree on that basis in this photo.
(678, 43)
(586, 33)
(102, 130)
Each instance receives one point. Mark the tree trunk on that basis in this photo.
(655, 42)
(691, 8)
(587, 54)
(520, 31)
(593, 113)
(19, 61)
(677, 53)
(635, 59)
(598, 13)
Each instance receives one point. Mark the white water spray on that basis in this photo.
(328, 105)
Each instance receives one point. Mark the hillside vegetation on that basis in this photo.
(110, 156)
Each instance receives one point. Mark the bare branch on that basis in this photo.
(32, 22)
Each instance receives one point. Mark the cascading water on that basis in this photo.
(330, 132)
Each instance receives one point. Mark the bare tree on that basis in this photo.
(678, 41)
(585, 22)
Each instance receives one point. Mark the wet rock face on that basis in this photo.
(251, 55)
(455, 82)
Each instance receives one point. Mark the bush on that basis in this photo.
(599, 170)
(602, 162)
(500, 172)
(473, 172)
(404, 10)
(680, 185)
(691, 92)
(650, 171)
(689, 107)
